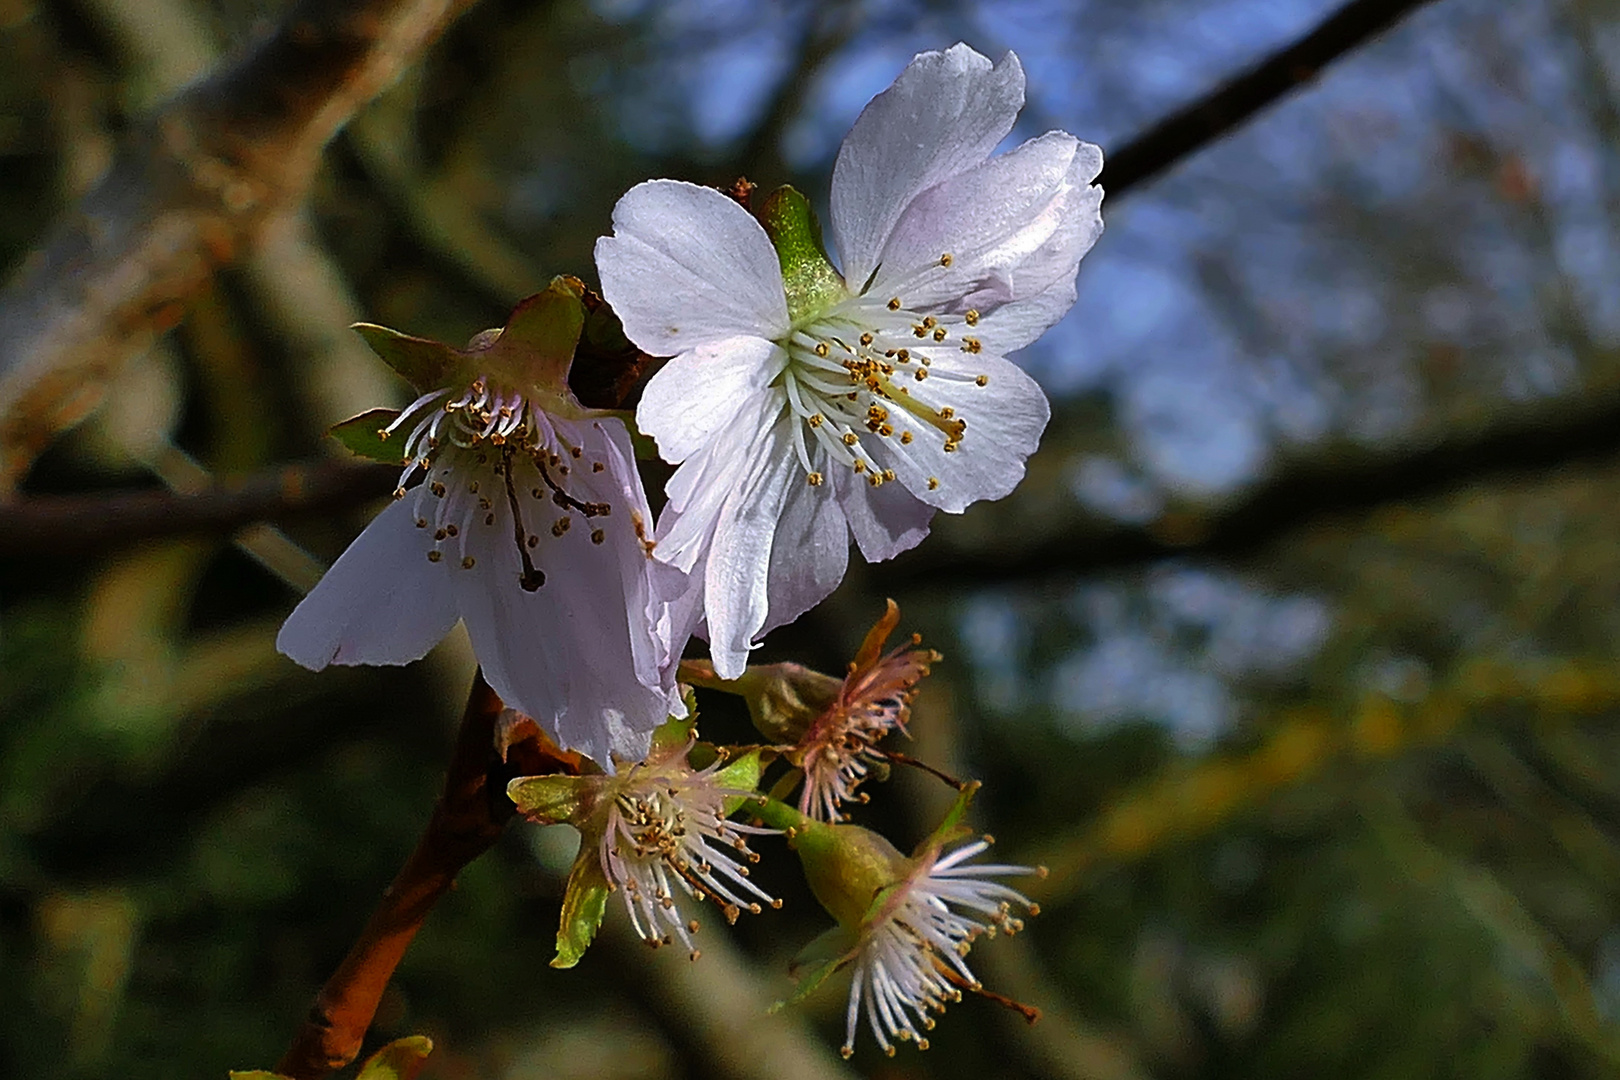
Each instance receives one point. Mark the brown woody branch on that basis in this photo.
(1347, 481)
(466, 822)
(184, 196)
(34, 526)
(48, 525)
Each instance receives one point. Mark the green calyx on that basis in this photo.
(808, 276)
(846, 866)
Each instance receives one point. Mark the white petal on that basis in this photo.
(886, 520)
(737, 576)
(619, 484)
(700, 488)
(382, 602)
(1013, 227)
(577, 652)
(1012, 326)
(514, 633)
(1005, 419)
(700, 391)
(944, 114)
(686, 265)
(811, 549)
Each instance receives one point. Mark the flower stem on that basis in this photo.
(466, 822)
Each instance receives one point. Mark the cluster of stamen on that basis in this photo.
(669, 835)
(485, 449)
(913, 961)
(839, 748)
(859, 371)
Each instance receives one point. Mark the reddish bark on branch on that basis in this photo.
(466, 822)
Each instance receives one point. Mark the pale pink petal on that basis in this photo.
(944, 114)
(700, 391)
(686, 265)
(382, 602)
(1005, 419)
(619, 485)
(701, 486)
(737, 574)
(810, 550)
(886, 520)
(1012, 227)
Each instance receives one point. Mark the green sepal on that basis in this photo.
(808, 277)
(826, 953)
(401, 1059)
(554, 800)
(426, 365)
(362, 435)
(584, 904)
(741, 775)
(673, 735)
(951, 829)
(536, 347)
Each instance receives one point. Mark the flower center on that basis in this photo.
(857, 376)
(486, 452)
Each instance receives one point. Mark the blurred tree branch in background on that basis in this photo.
(186, 195)
(36, 526)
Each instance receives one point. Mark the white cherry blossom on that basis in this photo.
(529, 525)
(807, 407)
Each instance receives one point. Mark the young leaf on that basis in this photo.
(399, 1060)
(361, 435)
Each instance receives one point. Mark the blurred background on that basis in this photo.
(1296, 657)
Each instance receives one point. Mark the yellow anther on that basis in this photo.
(888, 474)
(905, 438)
(821, 348)
(982, 380)
(435, 556)
(597, 536)
(933, 483)
(815, 479)
(468, 563)
(971, 316)
(866, 340)
(946, 259)
(971, 345)
(894, 304)
(922, 373)
(816, 419)
(939, 333)
(850, 438)
(860, 466)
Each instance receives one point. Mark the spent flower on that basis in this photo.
(804, 405)
(529, 524)
(840, 747)
(905, 925)
(656, 832)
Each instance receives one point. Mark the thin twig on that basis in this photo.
(466, 822)
(49, 525)
(1181, 134)
(1296, 495)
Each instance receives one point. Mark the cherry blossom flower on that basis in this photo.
(528, 525)
(803, 405)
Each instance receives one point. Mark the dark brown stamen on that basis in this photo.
(532, 577)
